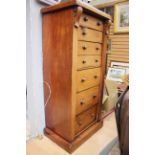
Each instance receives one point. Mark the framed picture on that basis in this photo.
(116, 74)
(119, 64)
(121, 18)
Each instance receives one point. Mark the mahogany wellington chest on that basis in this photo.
(74, 55)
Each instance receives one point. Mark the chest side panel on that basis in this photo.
(57, 66)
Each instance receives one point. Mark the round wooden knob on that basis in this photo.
(82, 102)
(97, 48)
(83, 80)
(84, 33)
(95, 76)
(98, 23)
(96, 60)
(83, 61)
(85, 19)
(84, 47)
(94, 96)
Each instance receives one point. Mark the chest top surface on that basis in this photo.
(74, 3)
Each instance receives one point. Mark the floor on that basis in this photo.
(95, 145)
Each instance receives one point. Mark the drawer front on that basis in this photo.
(89, 35)
(88, 78)
(86, 99)
(88, 62)
(84, 119)
(88, 48)
(91, 22)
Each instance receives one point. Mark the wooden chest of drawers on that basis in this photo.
(74, 54)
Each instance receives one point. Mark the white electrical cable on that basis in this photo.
(49, 93)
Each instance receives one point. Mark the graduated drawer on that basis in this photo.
(89, 35)
(88, 61)
(88, 48)
(83, 120)
(86, 99)
(91, 22)
(88, 78)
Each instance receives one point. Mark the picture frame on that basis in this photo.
(121, 17)
(120, 64)
(116, 74)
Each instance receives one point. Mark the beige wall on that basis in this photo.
(34, 74)
(120, 47)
